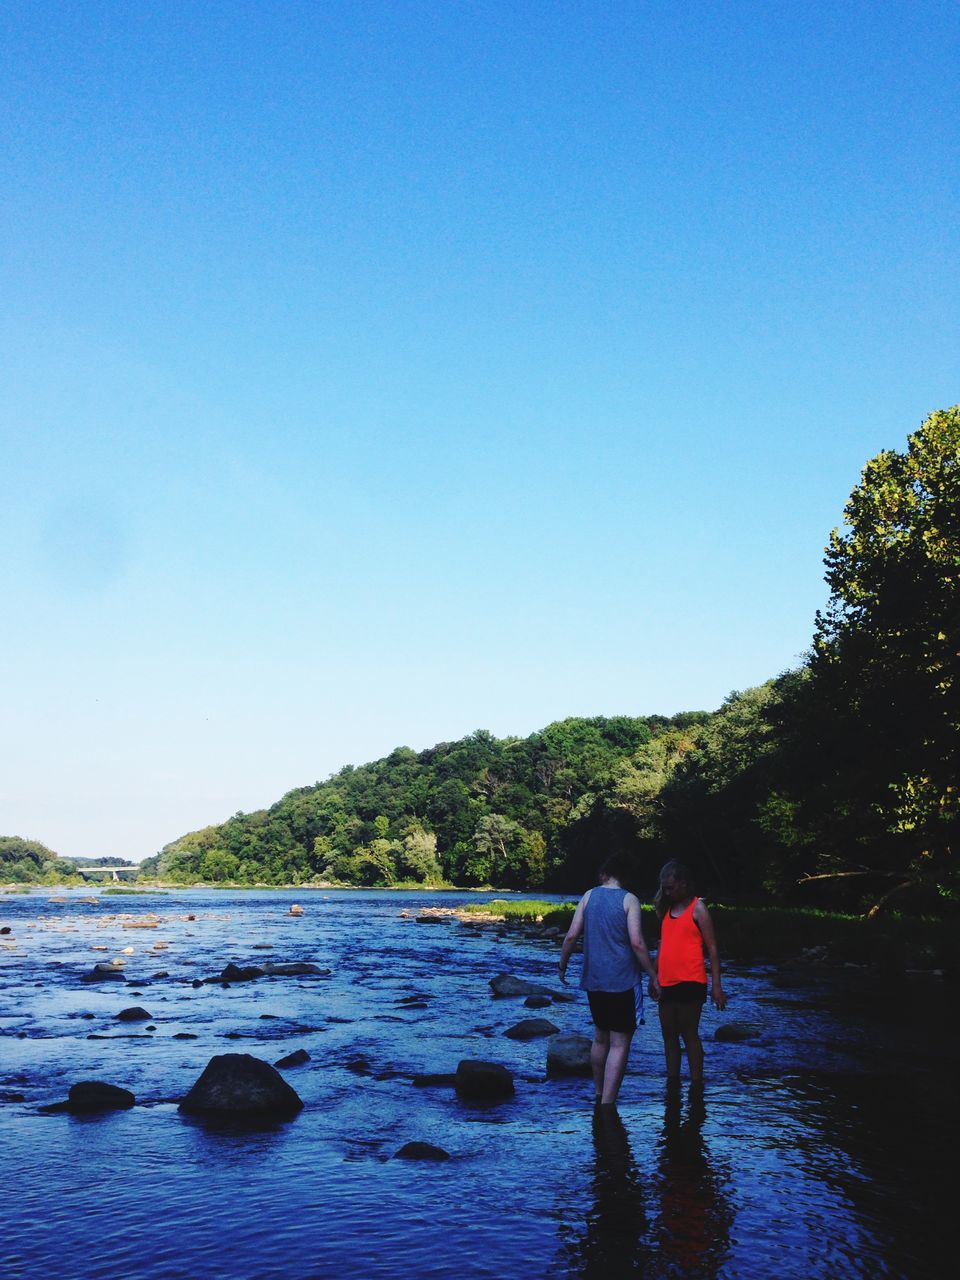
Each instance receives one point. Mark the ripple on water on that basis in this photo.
(803, 1160)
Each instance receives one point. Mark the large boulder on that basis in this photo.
(478, 1081)
(239, 1085)
(530, 1028)
(568, 1054)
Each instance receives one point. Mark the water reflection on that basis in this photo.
(692, 1232)
(664, 1213)
(613, 1242)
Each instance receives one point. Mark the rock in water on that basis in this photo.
(530, 1028)
(295, 1059)
(482, 1081)
(94, 1095)
(136, 1014)
(736, 1032)
(291, 968)
(537, 1002)
(568, 1055)
(236, 973)
(240, 1085)
(505, 984)
(421, 1151)
(103, 971)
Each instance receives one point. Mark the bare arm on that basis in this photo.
(702, 917)
(635, 933)
(573, 933)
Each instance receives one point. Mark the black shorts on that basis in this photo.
(614, 1010)
(684, 993)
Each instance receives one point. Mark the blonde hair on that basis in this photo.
(681, 872)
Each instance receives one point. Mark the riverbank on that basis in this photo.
(751, 935)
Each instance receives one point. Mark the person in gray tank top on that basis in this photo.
(614, 953)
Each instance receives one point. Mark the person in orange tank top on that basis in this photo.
(686, 931)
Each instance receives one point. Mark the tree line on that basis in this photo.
(835, 783)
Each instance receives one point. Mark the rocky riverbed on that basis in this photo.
(435, 1130)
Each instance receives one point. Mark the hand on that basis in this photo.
(653, 987)
(718, 996)
(563, 973)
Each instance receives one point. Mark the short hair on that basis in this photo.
(615, 867)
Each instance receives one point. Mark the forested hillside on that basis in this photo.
(29, 862)
(834, 782)
(514, 812)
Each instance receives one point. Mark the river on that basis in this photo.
(818, 1150)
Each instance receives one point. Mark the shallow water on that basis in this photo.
(819, 1150)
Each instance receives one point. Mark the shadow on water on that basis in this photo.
(673, 1222)
(693, 1228)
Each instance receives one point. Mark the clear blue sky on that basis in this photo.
(376, 372)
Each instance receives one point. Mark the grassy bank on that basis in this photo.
(757, 934)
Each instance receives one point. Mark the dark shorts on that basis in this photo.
(684, 993)
(613, 1010)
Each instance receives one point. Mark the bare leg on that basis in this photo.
(616, 1065)
(598, 1059)
(688, 1019)
(670, 1029)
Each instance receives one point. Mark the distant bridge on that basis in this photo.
(117, 873)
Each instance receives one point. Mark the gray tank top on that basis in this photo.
(608, 960)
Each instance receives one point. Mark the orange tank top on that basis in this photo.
(681, 949)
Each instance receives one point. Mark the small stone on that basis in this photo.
(427, 919)
(359, 1066)
(530, 1028)
(295, 1059)
(431, 1079)
(537, 1002)
(134, 1014)
(196, 983)
(505, 984)
(421, 1151)
(736, 1032)
(103, 972)
(184, 1035)
(291, 968)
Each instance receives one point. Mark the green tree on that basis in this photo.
(886, 658)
